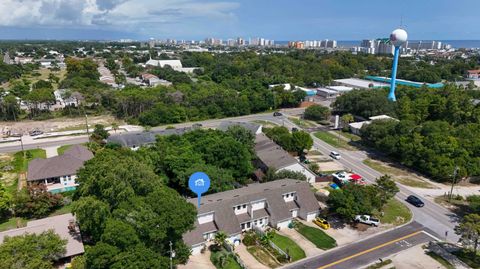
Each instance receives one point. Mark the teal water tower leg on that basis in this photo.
(391, 94)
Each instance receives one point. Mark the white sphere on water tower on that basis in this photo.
(398, 37)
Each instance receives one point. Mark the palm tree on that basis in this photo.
(115, 127)
(220, 238)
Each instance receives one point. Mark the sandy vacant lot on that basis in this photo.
(60, 124)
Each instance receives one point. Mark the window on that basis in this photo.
(244, 206)
(255, 222)
(243, 226)
(239, 207)
(260, 221)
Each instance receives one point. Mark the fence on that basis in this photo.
(261, 233)
(235, 256)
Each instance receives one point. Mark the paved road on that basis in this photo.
(368, 250)
(43, 143)
(433, 216)
(70, 140)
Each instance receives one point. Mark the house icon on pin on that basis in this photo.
(199, 182)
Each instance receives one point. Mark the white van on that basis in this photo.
(335, 155)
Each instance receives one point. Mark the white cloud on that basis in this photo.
(116, 14)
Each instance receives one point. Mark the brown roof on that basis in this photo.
(62, 165)
(271, 154)
(59, 224)
(473, 71)
(278, 210)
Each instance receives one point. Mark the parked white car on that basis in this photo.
(335, 155)
(367, 219)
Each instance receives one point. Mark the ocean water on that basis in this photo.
(467, 44)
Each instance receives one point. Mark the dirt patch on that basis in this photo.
(59, 124)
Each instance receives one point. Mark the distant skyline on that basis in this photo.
(271, 19)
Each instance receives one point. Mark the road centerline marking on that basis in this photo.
(370, 250)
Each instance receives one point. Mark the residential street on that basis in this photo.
(368, 250)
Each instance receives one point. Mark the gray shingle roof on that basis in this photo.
(271, 154)
(59, 224)
(137, 139)
(277, 209)
(62, 165)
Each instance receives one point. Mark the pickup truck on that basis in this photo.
(366, 219)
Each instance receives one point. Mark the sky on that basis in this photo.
(271, 19)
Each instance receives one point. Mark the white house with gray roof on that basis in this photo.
(274, 204)
(59, 173)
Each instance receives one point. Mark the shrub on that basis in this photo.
(249, 239)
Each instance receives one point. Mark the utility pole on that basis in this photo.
(21, 142)
(455, 172)
(86, 123)
(172, 254)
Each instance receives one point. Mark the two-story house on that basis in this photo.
(273, 204)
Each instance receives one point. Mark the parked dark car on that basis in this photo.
(35, 133)
(277, 114)
(294, 129)
(414, 200)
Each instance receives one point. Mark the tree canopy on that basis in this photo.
(31, 251)
(125, 210)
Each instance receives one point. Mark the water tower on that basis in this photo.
(397, 38)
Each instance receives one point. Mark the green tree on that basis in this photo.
(317, 113)
(5, 202)
(347, 119)
(387, 187)
(301, 141)
(99, 134)
(32, 251)
(36, 201)
(469, 231)
(92, 215)
(119, 234)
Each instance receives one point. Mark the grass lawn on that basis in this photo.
(350, 136)
(12, 224)
(316, 236)
(229, 262)
(395, 213)
(333, 140)
(62, 210)
(265, 123)
(468, 258)
(262, 256)
(289, 246)
(21, 164)
(441, 260)
(401, 176)
(302, 123)
(63, 148)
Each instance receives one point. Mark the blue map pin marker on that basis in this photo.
(199, 183)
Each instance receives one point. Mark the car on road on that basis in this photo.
(335, 155)
(367, 219)
(277, 114)
(414, 200)
(197, 125)
(322, 223)
(35, 133)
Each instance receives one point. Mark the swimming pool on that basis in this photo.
(71, 188)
